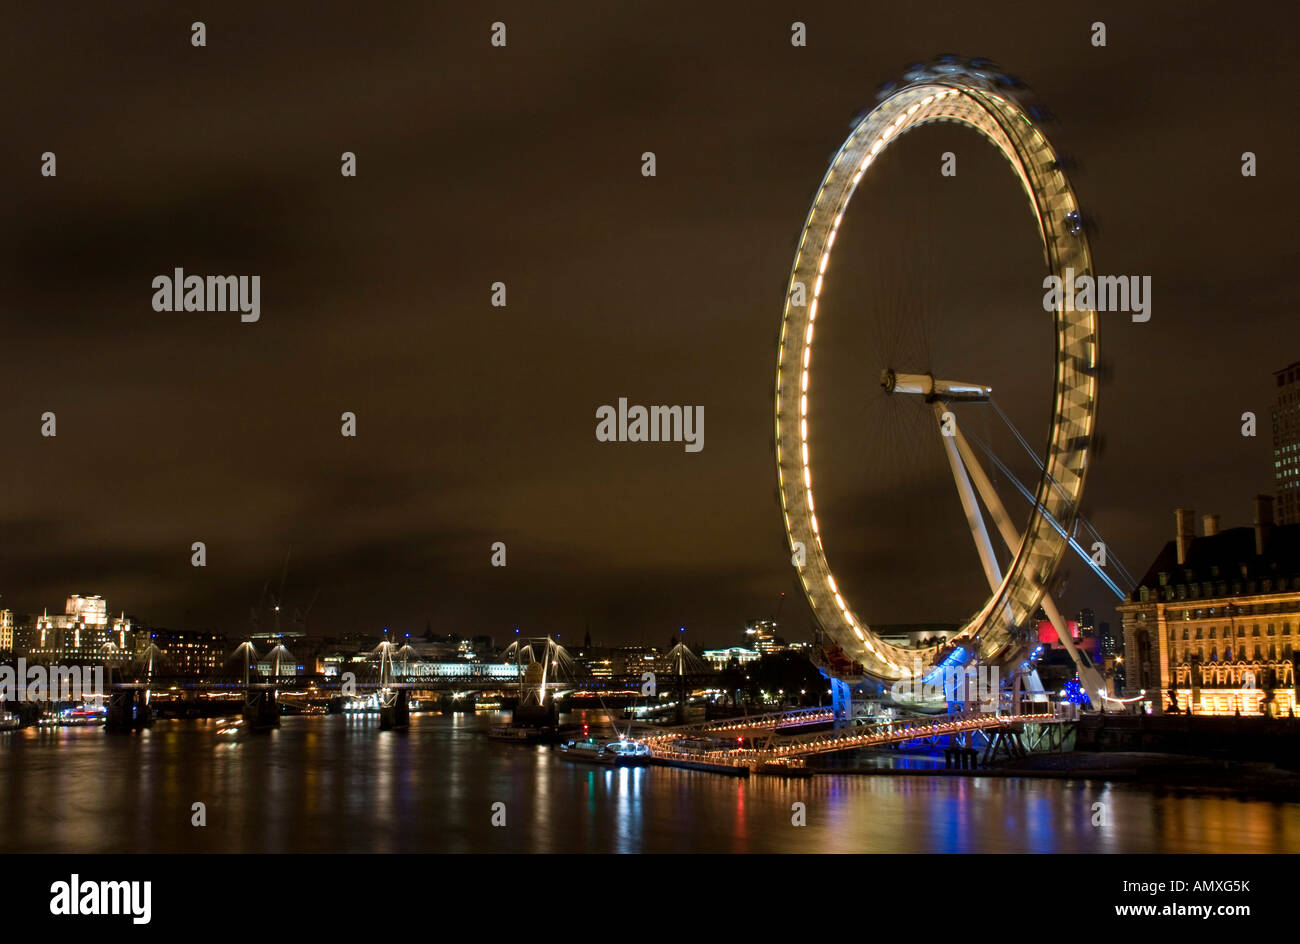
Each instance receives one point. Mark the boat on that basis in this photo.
(620, 753)
(10, 721)
(83, 715)
(519, 734)
(792, 767)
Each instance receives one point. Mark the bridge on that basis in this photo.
(746, 724)
(770, 749)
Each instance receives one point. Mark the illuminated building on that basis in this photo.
(635, 660)
(1082, 635)
(83, 632)
(267, 645)
(184, 652)
(1215, 622)
(92, 611)
(597, 661)
(1286, 444)
(1112, 655)
(916, 635)
(761, 635)
(6, 631)
(720, 659)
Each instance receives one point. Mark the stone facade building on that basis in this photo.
(1215, 622)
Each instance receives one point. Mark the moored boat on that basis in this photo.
(620, 753)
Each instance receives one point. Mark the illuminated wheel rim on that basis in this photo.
(971, 98)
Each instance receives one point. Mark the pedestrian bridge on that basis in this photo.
(768, 746)
(742, 725)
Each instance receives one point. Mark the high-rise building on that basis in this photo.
(1112, 653)
(6, 630)
(1286, 444)
(761, 635)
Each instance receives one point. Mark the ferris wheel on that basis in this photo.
(977, 96)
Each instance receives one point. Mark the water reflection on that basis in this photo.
(340, 784)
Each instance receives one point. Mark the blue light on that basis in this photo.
(959, 656)
(1074, 692)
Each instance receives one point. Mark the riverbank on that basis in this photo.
(1153, 769)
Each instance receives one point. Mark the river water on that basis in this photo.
(339, 784)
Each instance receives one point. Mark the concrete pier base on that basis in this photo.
(128, 709)
(394, 710)
(261, 710)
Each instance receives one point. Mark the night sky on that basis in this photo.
(477, 424)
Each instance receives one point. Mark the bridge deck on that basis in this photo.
(786, 749)
(770, 721)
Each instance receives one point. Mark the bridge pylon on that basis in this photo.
(394, 699)
(128, 702)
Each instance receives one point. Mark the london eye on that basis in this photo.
(976, 96)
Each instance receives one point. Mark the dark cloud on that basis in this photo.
(477, 424)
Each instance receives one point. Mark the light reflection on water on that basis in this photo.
(324, 784)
